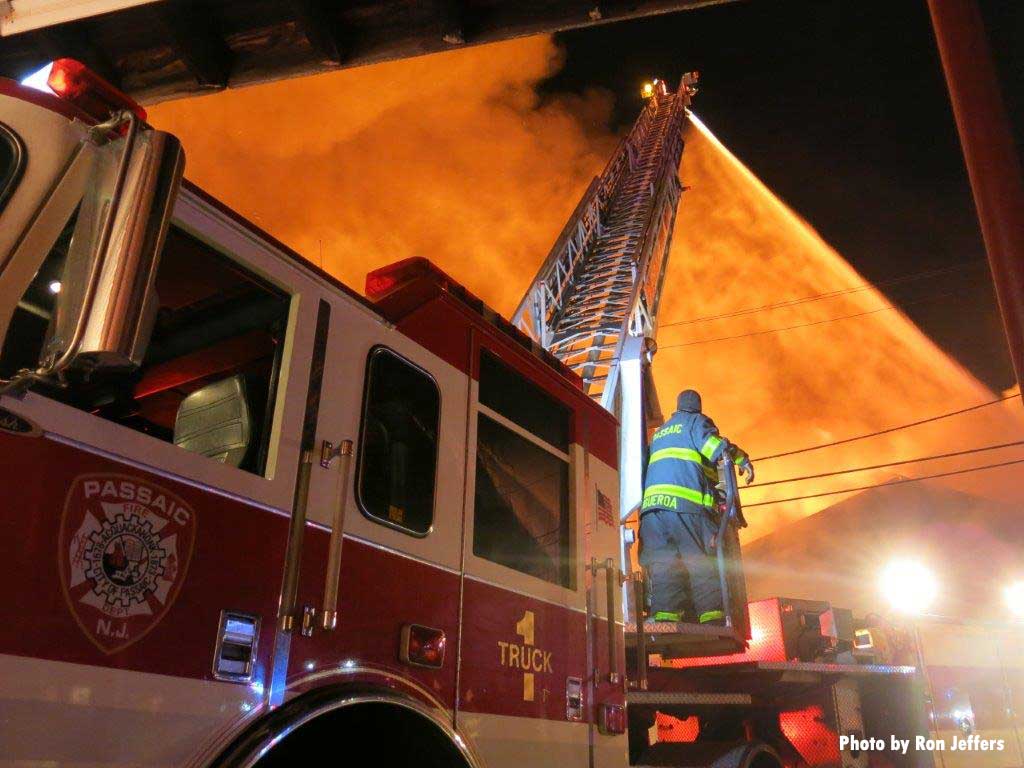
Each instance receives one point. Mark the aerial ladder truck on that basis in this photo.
(140, 312)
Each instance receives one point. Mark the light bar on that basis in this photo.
(73, 82)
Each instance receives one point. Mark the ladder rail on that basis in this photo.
(555, 277)
(637, 317)
(601, 282)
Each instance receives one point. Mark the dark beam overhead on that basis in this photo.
(191, 33)
(172, 48)
(319, 28)
(452, 14)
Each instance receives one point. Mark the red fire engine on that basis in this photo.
(250, 512)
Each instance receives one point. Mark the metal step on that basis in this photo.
(677, 640)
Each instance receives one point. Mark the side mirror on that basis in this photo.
(106, 312)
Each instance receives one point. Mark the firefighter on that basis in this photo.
(677, 525)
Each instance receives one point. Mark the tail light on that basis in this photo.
(73, 82)
(422, 646)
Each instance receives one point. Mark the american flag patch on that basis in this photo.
(605, 513)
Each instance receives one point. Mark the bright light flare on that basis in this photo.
(647, 91)
(909, 586)
(38, 79)
(1014, 594)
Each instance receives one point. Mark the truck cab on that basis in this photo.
(254, 509)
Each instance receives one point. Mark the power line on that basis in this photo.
(805, 325)
(887, 431)
(882, 485)
(829, 294)
(889, 464)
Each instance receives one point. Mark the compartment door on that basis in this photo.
(523, 678)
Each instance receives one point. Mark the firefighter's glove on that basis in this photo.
(746, 470)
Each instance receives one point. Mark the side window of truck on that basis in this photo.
(208, 382)
(398, 444)
(521, 514)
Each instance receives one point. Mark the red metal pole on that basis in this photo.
(990, 154)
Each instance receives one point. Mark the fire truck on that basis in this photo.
(251, 513)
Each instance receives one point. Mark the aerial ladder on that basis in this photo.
(594, 305)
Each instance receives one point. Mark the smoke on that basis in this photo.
(454, 157)
(451, 156)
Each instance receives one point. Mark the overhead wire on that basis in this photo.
(908, 425)
(952, 454)
(829, 294)
(806, 325)
(899, 481)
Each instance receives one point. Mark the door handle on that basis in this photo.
(328, 453)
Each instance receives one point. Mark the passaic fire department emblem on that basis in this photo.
(125, 545)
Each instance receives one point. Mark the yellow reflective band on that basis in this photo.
(686, 454)
(711, 616)
(667, 496)
(668, 616)
(710, 446)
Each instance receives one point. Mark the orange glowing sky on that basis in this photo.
(454, 157)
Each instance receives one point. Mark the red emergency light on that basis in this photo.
(75, 83)
(382, 283)
(385, 280)
(422, 646)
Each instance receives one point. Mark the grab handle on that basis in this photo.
(343, 452)
(612, 583)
